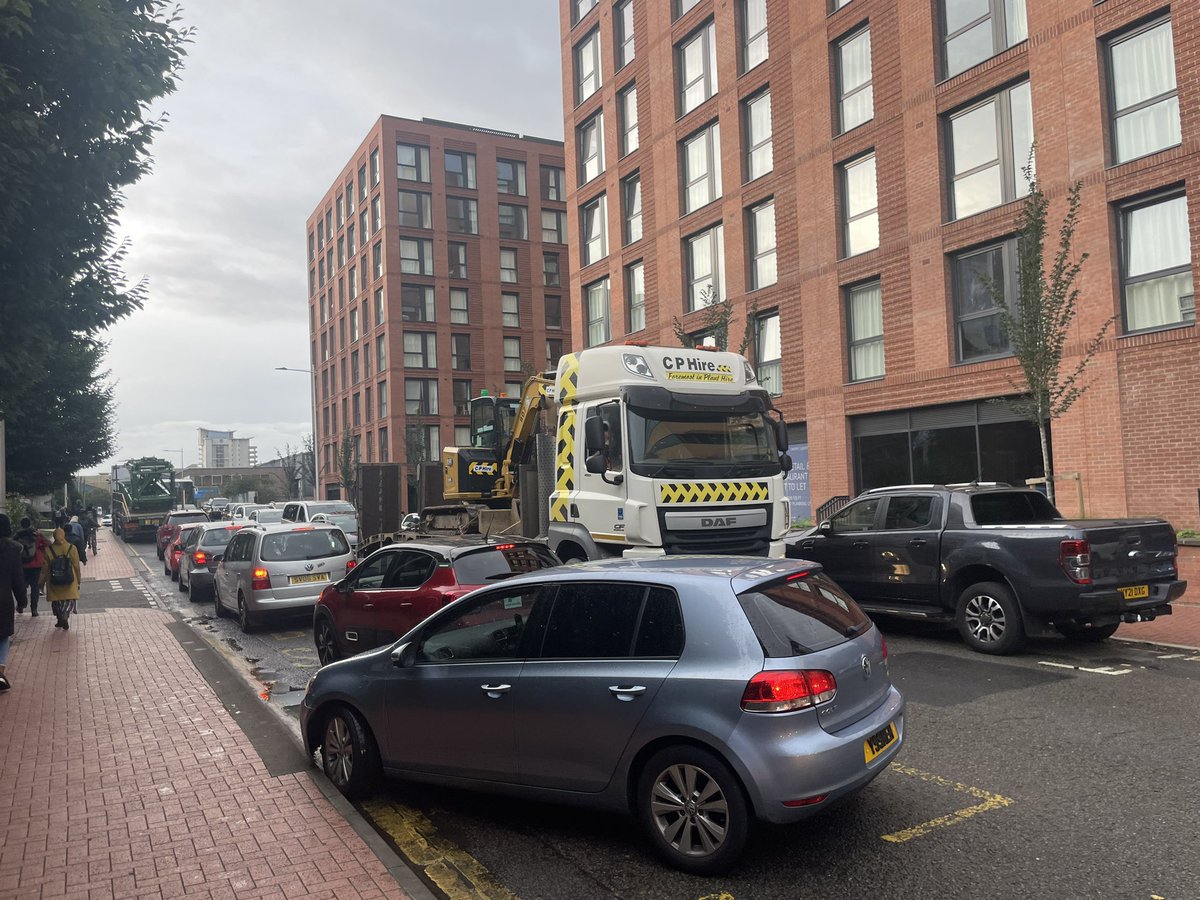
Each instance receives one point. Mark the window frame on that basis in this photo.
(420, 165)
(631, 196)
(748, 141)
(1113, 40)
(594, 122)
(853, 343)
(428, 340)
(468, 179)
(471, 211)
(427, 303)
(423, 214)
(635, 312)
(460, 315)
(518, 230)
(1010, 182)
(716, 235)
(1124, 210)
(518, 177)
(757, 254)
(747, 40)
(844, 169)
(622, 40)
(1009, 263)
(706, 34)
(628, 99)
(589, 44)
(710, 135)
(593, 211)
(998, 16)
(424, 260)
(773, 365)
(604, 320)
(839, 71)
(510, 309)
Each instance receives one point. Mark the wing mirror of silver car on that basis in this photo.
(404, 656)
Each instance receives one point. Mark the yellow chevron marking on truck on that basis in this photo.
(569, 382)
(564, 474)
(712, 491)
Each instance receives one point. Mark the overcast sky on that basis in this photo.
(275, 96)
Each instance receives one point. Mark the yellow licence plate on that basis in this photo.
(308, 579)
(1136, 592)
(879, 741)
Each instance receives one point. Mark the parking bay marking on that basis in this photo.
(1094, 670)
(990, 801)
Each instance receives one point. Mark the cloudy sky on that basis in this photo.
(275, 96)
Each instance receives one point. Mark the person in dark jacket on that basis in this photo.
(28, 536)
(12, 586)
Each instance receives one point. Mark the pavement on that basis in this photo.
(127, 772)
(1181, 629)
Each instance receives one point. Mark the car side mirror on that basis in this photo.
(405, 656)
(218, 557)
(826, 527)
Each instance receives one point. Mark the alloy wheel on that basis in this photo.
(690, 810)
(985, 618)
(326, 647)
(338, 750)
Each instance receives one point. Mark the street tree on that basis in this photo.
(1039, 321)
(292, 463)
(309, 462)
(346, 467)
(716, 317)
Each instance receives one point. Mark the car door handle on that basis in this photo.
(368, 606)
(406, 604)
(495, 690)
(626, 693)
(807, 545)
(858, 545)
(918, 542)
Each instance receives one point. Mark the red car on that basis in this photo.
(399, 585)
(176, 517)
(174, 548)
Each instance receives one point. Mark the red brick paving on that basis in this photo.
(110, 562)
(1180, 629)
(124, 776)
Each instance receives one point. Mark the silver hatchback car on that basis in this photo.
(696, 692)
(270, 568)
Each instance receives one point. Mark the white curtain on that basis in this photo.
(1158, 237)
(1153, 304)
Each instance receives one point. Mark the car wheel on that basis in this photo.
(217, 600)
(245, 621)
(693, 810)
(326, 641)
(175, 576)
(159, 551)
(1083, 634)
(989, 619)
(349, 755)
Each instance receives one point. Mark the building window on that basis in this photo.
(754, 33)
(416, 303)
(508, 265)
(510, 310)
(460, 169)
(416, 256)
(412, 162)
(420, 350)
(377, 259)
(356, 407)
(702, 168)
(381, 352)
(596, 307)
(864, 311)
(366, 355)
(512, 354)
(756, 117)
(420, 396)
(696, 62)
(352, 279)
(383, 445)
(768, 353)
(587, 66)
(514, 222)
(705, 267)
(593, 229)
(460, 306)
(551, 274)
(378, 307)
(860, 206)
(462, 215)
(1156, 264)
(374, 168)
(627, 106)
(460, 351)
(581, 8)
(510, 177)
(631, 201)
(415, 210)
(856, 101)
(350, 238)
(362, 183)
(376, 214)
(353, 325)
(554, 312)
(554, 226)
(591, 148)
(762, 245)
(976, 30)
(341, 210)
(978, 275)
(554, 350)
(635, 296)
(341, 247)
(422, 444)
(623, 25)
(553, 180)
(990, 145)
(1145, 104)
(462, 397)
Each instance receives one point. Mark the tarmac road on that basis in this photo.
(1067, 772)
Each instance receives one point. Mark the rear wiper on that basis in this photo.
(854, 630)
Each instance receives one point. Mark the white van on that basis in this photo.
(304, 510)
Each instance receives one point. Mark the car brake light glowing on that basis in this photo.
(1075, 557)
(789, 690)
(505, 546)
(798, 575)
(304, 528)
(350, 564)
(260, 580)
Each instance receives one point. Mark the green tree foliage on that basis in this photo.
(1039, 322)
(346, 462)
(76, 81)
(716, 316)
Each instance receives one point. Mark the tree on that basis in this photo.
(716, 317)
(266, 488)
(76, 81)
(346, 466)
(1038, 324)
(292, 464)
(309, 462)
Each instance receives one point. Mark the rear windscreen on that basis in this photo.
(791, 618)
(297, 545)
(218, 537)
(1015, 508)
(267, 516)
(492, 564)
(176, 518)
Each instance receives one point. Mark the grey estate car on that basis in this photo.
(696, 692)
(269, 568)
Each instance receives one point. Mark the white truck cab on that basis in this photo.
(665, 450)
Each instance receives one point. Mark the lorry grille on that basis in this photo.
(753, 541)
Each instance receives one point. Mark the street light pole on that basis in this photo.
(312, 408)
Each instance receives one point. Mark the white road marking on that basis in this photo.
(1098, 670)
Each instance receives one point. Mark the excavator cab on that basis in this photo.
(492, 422)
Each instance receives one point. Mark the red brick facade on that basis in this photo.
(1132, 437)
(333, 359)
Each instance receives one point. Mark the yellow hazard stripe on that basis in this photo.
(564, 472)
(712, 491)
(568, 378)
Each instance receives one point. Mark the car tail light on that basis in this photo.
(1075, 557)
(260, 580)
(805, 801)
(788, 691)
(200, 558)
(883, 641)
(350, 564)
(505, 546)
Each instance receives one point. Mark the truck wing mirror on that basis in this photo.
(593, 437)
(594, 463)
(785, 462)
(781, 434)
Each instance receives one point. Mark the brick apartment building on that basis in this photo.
(437, 269)
(850, 170)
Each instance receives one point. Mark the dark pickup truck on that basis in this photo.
(1001, 562)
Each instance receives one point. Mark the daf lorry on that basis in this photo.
(143, 493)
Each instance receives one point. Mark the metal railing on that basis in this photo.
(830, 507)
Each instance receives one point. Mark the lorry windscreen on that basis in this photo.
(715, 444)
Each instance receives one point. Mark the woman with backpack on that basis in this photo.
(12, 581)
(60, 575)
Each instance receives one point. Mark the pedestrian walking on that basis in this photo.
(78, 538)
(33, 554)
(91, 524)
(12, 586)
(60, 577)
